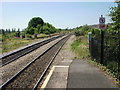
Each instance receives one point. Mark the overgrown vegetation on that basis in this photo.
(111, 42)
(14, 43)
(80, 47)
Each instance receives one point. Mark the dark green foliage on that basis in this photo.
(39, 29)
(34, 22)
(95, 31)
(82, 30)
(8, 36)
(49, 28)
(115, 16)
(30, 30)
(37, 26)
(77, 33)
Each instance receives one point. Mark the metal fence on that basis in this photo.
(105, 49)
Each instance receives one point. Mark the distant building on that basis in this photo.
(97, 26)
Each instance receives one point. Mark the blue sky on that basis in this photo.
(59, 14)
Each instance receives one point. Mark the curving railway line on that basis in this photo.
(31, 75)
(15, 55)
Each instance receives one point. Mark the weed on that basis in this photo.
(80, 47)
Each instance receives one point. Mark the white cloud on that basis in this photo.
(57, 0)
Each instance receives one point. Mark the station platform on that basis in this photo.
(77, 74)
(68, 73)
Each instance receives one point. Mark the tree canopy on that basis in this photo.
(35, 21)
(36, 26)
(115, 15)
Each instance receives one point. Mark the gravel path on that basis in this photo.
(9, 70)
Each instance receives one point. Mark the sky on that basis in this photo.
(59, 14)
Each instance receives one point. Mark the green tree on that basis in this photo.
(30, 30)
(82, 30)
(39, 28)
(115, 16)
(35, 21)
(46, 29)
(52, 29)
(36, 31)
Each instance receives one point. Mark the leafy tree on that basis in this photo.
(35, 21)
(82, 30)
(30, 31)
(52, 29)
(36, 31)
(46, 29)
(115, 16)
(39, 28)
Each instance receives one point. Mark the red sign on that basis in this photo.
(102, 26)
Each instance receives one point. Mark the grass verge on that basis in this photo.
(14, 43)
(80, 47)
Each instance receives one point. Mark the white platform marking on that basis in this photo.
(50, 74)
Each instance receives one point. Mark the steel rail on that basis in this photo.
(46, 69)
(25, 50)
(19, 72)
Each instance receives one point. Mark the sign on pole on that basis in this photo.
(102, 22)
(102, 26)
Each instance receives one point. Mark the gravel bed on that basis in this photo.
(65, 53)
(10, 69)
(29, 77)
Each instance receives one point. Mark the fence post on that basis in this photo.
(90, 43)
(119, 57)
(92, 47)
(102, 47)
(89, 36)
(119, 66)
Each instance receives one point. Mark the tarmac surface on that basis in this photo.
(77, 74)
(83, 75)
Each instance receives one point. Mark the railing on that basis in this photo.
(107, 54)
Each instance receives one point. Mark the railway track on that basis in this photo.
(15, 55)
(31, 75)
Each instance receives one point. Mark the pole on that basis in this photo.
(102, 47)
(119, 57)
